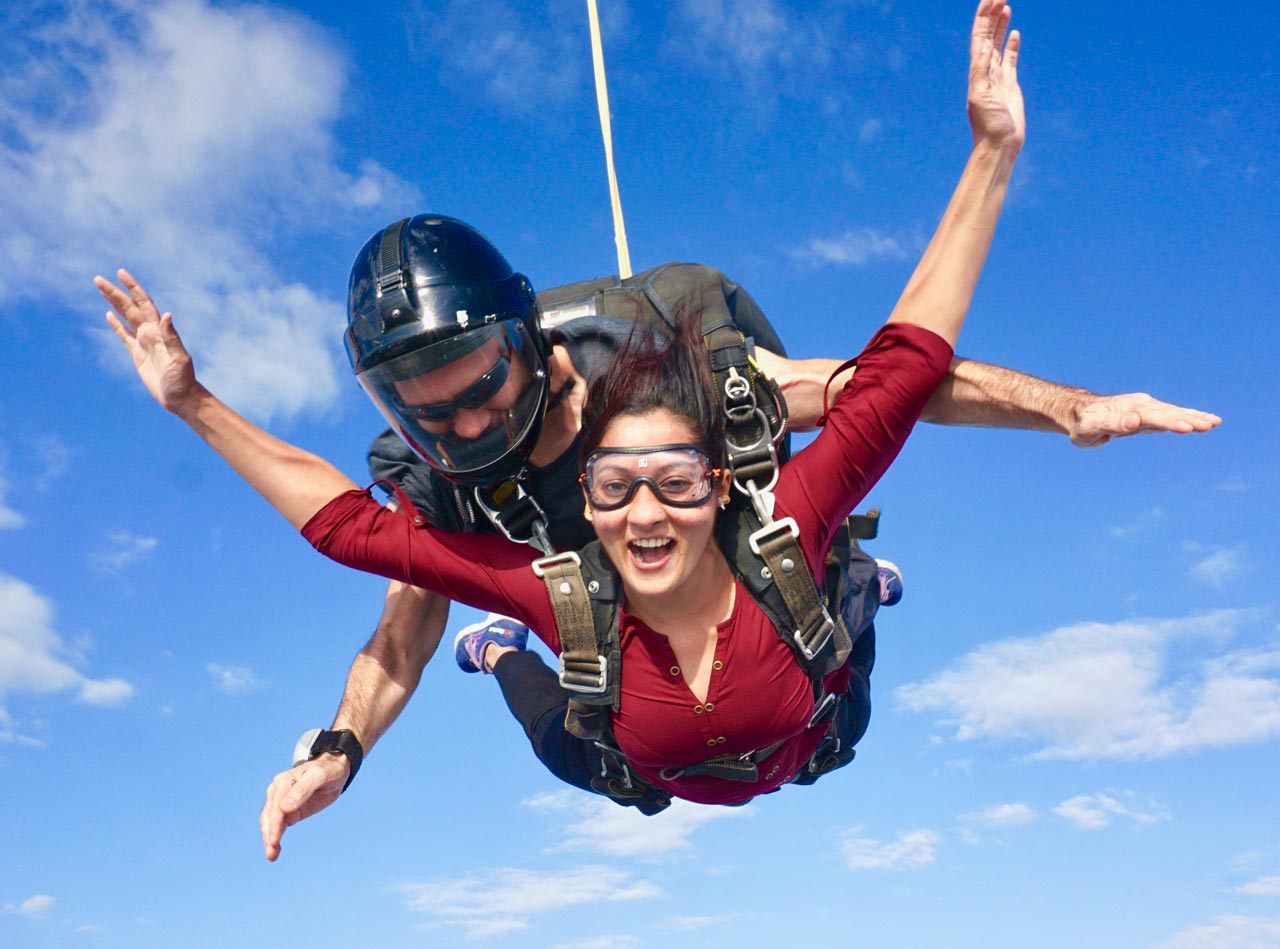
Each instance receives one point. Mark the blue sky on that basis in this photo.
(1077, 703)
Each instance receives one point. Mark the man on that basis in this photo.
(481, 385)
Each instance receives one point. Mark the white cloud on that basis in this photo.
(1001, 815)
(1143, 523)
(54, 457)
(1229, 932)
(913, 849)
(521, 56)
(188, 141)
(1262, 886)
(1220, 567)
(602, 826)
(31, 906)
(9, 518)
(234, 680)
(469, 904)
(1134, 689)
(603, 942)
(1097, 811)
(34, 660)
(125, 550)
(855, 247)
(691, 924)
(760, 39)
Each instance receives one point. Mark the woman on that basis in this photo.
(697, 652)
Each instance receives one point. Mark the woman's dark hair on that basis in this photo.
(649, 374)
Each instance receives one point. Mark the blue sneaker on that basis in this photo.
(468, 645)
(890, 582)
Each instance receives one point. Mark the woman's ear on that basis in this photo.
(586, 507)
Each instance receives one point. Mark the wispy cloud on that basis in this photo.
(468, 903)
(54, 460)
(1229, 932)
(10, 520)
(1000, 815)
(34, 660)
(150, 134)
(602, 942)
(1098, 811)
(1219, 567)
(522, 57)
(31, 906)
(913, 849)
(1141, 524)
(762, 41)
(856, 248)
(234, 680)
(600, 826)
(123, 551)
(1112, 691)
(1262, 886)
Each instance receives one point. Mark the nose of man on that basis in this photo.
(472, 423)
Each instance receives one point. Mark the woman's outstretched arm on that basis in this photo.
(938, 294)
(295, 482)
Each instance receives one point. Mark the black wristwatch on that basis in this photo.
(318, 741)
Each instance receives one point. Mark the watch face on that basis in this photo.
(302, 750)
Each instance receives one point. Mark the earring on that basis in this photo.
(723, 502)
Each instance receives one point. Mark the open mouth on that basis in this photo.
(650, 551)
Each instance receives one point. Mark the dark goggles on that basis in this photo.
(678, 475)
(472, 397)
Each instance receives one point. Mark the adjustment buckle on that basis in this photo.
(586, 676)
(542, 564)
(785, 526)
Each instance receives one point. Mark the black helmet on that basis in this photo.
(431, 292)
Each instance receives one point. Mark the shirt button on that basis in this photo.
(710, 706)
(698, 709)
(675, 670)
(717, 664)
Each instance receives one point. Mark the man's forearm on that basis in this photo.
(973, 393)
(978, 393)
(387, 670)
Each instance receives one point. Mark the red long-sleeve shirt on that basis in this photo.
(758, 694)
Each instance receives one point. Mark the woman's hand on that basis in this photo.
(995, 99)
(163, 362)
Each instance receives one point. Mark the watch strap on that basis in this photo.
(339, 742)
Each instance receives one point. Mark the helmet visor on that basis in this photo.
(466, 403)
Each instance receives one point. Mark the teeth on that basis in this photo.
(650, 542)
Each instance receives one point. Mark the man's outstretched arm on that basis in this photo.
(382, 679)
(983, 394)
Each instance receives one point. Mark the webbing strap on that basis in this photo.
(781, 553)
(727, 767)
(583, 669)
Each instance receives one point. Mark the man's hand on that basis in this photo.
(298, 793)
(1114, 416)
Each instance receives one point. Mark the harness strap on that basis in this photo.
(584, 670)
(726, 767)
(777, 545)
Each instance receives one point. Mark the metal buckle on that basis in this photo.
(787, 524)
(828, 700)
(542, 563)
(599, 686)
(538, 536)
(825, 628)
